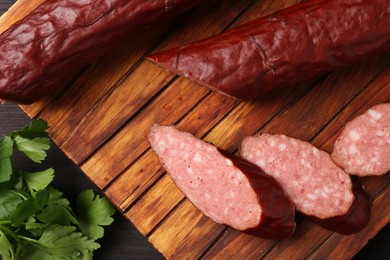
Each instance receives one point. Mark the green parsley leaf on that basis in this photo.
(58, 212)
(8, 204)
(12, 183)
(33, 252)
(6, 150)
(39, 222)
(29, 207)
(5, 170)
(37, 128)
(93, 212)
(38, 180)
(35, 149)
(6, 250)
(36, 229)
(54, 194)
(65, 242)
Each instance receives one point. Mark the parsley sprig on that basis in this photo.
(36, 222)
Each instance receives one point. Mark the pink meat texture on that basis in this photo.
(363, 148)
(225, 188)
(316, 186)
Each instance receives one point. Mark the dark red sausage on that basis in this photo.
(40, 52)
(226, 188)
(287, 47)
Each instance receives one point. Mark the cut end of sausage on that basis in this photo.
(188, 162)
(222, 186)
(316, 186)
(356, 218)
(363, 148)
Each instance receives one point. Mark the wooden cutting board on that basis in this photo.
(102, 119)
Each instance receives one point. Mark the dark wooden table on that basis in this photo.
(121, 240)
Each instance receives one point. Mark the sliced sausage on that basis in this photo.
(290, 46)
(356, 218)
(43, 50)
(363, 148)
(226, 188)
(317, 186)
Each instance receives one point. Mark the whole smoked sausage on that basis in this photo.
(292, 45)
(48, 46)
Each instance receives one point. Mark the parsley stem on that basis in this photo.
(10, 232)
(5, 222)
(18, 194)
(29, 239)
(7, 244)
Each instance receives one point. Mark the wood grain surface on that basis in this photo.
(102, 119)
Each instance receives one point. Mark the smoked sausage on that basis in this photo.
(292, 45)
(43, 50)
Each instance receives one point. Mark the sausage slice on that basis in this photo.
(356, 218)
(226, 188)
(317, 186)
(363, 148)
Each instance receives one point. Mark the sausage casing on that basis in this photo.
(48, 46)
(292, 45)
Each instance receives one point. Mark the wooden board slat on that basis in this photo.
(110, 105)
(185, 241)
(17, 11)
(160, 199)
